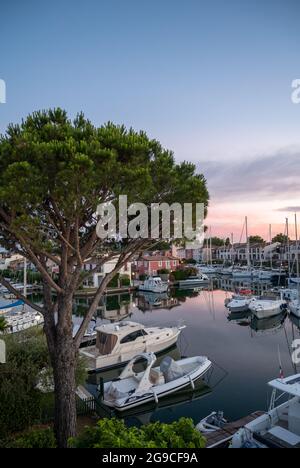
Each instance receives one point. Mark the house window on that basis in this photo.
(174, 263)
(160, 264)
(168, 264)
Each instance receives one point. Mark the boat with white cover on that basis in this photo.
(265, 308)
(243, 273)
(280, 426)
(20, 321)
(154, 284)
(207, 270)
(134, 389)
(240, 303)
(194, 281)
(294, 307)
(118, 343)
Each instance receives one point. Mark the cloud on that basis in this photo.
(292, 209)
(261, 178)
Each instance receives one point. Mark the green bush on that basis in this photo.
(181, 275)
(113, 433)
(114, 283)
(36, 438)
(21, 404)
(163, 271)
(125, 280)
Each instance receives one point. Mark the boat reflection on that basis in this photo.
(241, 318)
(149, 301)
(144, 414)
(259, 326)
(295, 321)
(268, 325)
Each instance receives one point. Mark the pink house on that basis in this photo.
(150, 265)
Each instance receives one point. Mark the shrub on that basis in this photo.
(181, 275)
(36, 438)
(113, 433)
(125, 280)
(21, 404)
(163, 271)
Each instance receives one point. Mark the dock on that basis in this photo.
(221, 438)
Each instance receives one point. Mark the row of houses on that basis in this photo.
(239, 253)
(152, 263)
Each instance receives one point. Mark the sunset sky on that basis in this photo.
(210, 79)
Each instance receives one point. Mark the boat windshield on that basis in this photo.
(106, 343)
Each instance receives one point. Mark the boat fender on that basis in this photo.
(192, 383)
(155, 396)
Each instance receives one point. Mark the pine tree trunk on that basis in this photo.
(65, 399)
(63, 358)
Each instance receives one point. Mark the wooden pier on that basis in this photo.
(221, 438)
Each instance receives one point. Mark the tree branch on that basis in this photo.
(122, 260)
(20, 296)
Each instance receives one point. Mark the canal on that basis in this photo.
(245, 352)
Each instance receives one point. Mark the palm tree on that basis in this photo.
(3, 324)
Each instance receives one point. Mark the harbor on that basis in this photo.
(209, 330)
(150, 227)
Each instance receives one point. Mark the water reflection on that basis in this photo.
(244, 347)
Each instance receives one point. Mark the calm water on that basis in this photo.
(245, 353)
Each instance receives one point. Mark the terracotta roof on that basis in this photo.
(157, 258)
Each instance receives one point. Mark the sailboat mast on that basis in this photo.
(297, 255)
(25, 277)
(210, 246)
(271, 253)
(288, 246)
(247, 240)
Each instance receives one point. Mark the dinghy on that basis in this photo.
(240, 304)
(135, 389)
(212, 423)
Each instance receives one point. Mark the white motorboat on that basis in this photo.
(135, 389)
(212, 423)
(154, 284)
(289, 294)
(265, 308)
(20, 321)
(194, 281)
(226, 271)
(294, 307)
(280, 426)
(240, 303)
(243, 273)
(207, 270)
(118, 343)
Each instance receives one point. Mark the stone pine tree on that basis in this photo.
(54, 172)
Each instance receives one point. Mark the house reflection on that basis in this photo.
(113, 308)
